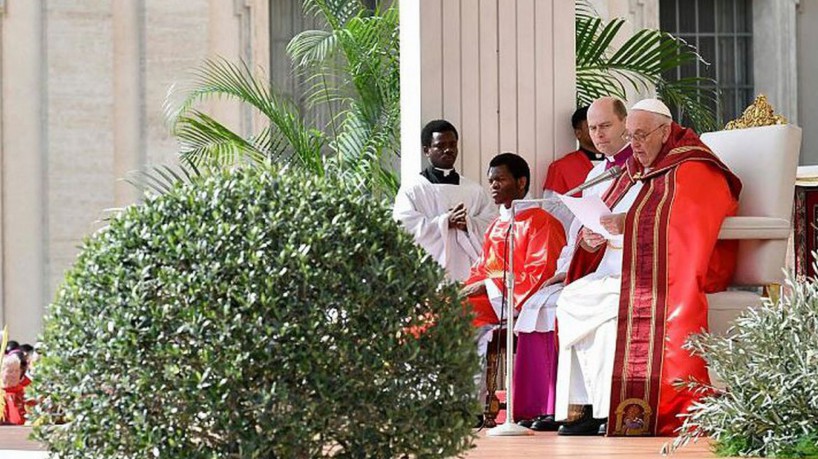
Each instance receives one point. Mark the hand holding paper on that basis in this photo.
(614, 223)
(590, 239)
(588, 210)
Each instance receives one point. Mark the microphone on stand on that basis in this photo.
(613, 172)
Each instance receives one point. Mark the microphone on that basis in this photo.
(611, 173)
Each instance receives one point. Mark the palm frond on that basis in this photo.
(351, 66)
(204, 140)
(652, 52)
(597, 39)
(336, 13)
(159, 179)
(593, 84)
(639, 62)
(363, 153)
(694, 102)
(323, 90)
(584, 9)
(314, 46)
(220, 79)
(271, 141)
(355, 72)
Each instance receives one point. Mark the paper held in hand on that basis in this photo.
(587, 210)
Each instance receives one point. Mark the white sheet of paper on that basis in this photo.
(588, 209)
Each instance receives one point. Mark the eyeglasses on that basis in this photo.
(637, 136)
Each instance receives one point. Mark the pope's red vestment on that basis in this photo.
(672, 257)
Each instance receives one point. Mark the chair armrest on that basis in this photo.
(755, 228)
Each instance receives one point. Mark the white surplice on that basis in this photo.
(539, 313)
(423, 209)
(587, 312)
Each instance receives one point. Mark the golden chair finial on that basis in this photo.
(760, 113)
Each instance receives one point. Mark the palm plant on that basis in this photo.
(640, 62)
(351, 70)
(354, 64)
(206, 142)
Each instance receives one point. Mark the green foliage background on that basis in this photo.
(350, 69)
(256, 313)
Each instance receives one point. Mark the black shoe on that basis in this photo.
(584, 427)
(479, 422)
(603, 428)
(545, 423)
(526, 423)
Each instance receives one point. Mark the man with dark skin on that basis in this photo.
(442, 154)
(538, 240)
(445, 212)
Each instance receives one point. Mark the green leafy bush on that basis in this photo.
(257, 313)
(769, 362)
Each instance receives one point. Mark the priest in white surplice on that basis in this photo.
(606, 122)
(445, 212)
(586, 310)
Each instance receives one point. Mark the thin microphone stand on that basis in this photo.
(509, 428)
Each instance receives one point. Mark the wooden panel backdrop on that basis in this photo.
(501, 71)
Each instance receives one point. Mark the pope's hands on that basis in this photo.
(590, 240)
(614, 223)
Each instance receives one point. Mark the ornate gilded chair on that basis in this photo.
(765, 158)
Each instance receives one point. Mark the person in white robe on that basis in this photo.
(445, 212)
(539, 313)
(586, 312)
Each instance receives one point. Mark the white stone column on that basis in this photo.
(259, 43)
(245, 12)
(807, 71)
(2, 208)
(644, 14)
(775, 59)
(23, 168)
(129, 95)
(260, 38)
(410, 87)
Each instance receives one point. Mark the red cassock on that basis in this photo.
(538, 240)
(671, 259)
(567, 172)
